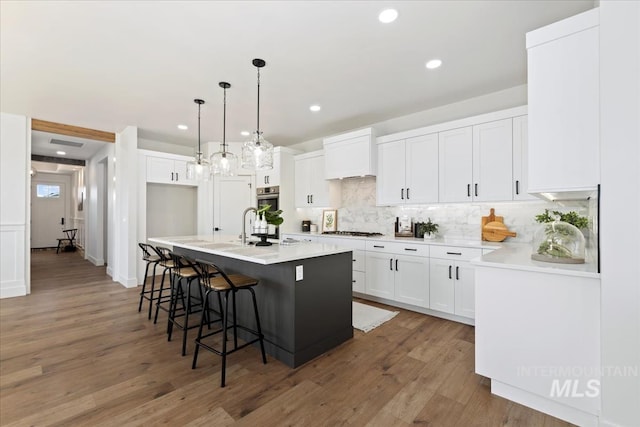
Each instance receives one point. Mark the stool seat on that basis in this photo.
(239, 281)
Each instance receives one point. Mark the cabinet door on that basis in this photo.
(563, 86)
(520, 167)
(269, 177)
(412, 280)
(302, 184)
(358, 282)
(319, 187)
(390, 182)
(348, 158)
(465, 289)
(422, 169)
(180, 170)
(160, 170)
(455, 165)
(492, 161)
(441, 285)
(380, 275)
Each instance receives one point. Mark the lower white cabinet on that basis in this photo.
(396, 276)
(452, 280)
(359, 276)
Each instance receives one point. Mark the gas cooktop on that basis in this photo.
(353, 233)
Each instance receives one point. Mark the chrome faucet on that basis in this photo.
(244, 221)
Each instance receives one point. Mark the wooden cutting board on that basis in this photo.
(493, 228)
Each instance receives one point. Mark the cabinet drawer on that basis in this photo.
(455, 252)
(358, 282)
(358, 260)
(399, 248)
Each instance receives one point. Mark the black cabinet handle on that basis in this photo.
(476, 189)
(176, 176)
(353, 281)
(378, 246)
(216, 229)
(449, 272)
(396, 265)
(454, 253)
(308, 199)
(62, 221)
(402, 194)
(468, 190)
(410, 249)
(171, 176)
(407, 194)
(312, 199)
(457, 273)
(517, 187)
(391, 264)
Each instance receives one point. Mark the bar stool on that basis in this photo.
(183, 269)
(166, 262)
(223, 285)
(151, 257)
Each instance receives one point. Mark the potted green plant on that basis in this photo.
(272, 217)
(580, 222)
(429, 229)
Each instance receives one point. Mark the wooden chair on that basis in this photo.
(224, 286)
(68, 244)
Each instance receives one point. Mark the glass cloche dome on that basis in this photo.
(558, 242)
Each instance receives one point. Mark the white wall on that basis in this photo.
(94, 205)
(620, 208)
(15, 192)
(171, 210)
(501, 100)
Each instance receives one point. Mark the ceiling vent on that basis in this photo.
(67, 143)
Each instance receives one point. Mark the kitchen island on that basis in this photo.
(304, 294)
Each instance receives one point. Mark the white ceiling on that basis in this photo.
(109, 64)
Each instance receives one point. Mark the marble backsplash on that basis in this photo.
(359, 212)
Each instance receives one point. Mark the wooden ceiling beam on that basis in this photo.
(52, 127)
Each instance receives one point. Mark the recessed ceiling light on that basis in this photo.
(183, 127)
(60, 153)
(388, 15)
(315, 108)
(245, 133)
(434, 63)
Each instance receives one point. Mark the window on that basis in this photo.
(48, 191)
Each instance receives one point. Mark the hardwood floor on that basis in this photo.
(77, 352)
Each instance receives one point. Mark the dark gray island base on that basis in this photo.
(300, 319)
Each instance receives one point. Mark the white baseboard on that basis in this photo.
(11, 289)
(98, 262)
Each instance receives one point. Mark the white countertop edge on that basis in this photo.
(277, 253)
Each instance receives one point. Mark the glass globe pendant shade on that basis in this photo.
(257, 153)
(199, 169)
(224, 163)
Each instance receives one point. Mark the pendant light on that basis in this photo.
(257, 153)
(198, 169)
(224, 163)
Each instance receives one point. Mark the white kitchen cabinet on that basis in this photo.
(359, 271)
(408, 171)
(351, 154)
(520, 166)
(564, 102)
(396, 276)
(167, 170)
(270, 177)
(492, 161)
(311, 189)
(452, 280)
(455, 164)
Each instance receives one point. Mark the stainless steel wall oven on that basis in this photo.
(270, 196)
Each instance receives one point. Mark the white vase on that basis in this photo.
(429, 236)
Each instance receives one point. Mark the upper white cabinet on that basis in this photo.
(476, 162)
(311, 188)
(282, 161)
(408, 171)
(520, 167)
(350, 154)
(492, 161)
(563, 91)
(456, 163)
(167, 170)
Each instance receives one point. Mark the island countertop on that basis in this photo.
(231, 247)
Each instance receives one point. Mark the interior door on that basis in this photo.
(48, 216)
(231, 196)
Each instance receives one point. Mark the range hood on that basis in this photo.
(577, 194)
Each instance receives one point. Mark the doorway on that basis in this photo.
(231, 196)
(49, 210)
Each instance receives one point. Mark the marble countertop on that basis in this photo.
(517, 256)
(230, 246)
(439, 241)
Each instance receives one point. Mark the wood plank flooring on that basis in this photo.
(76, 352)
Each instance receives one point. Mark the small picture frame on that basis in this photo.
(330, 220)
